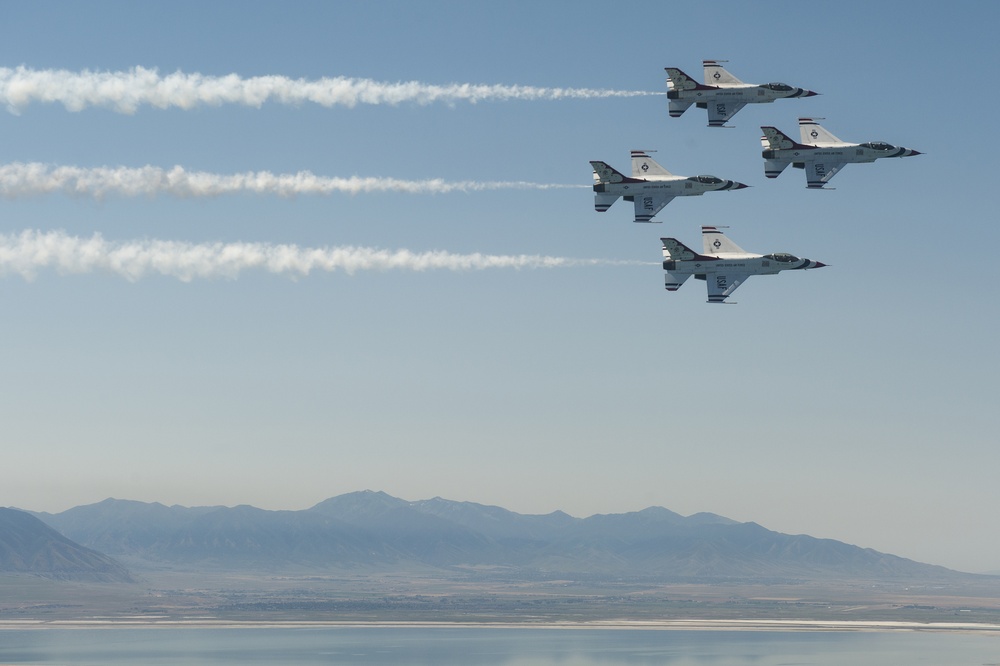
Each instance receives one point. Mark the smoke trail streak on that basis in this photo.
(32, 179)
(31, 251)
(126, 91)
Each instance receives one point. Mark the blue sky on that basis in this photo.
(856, 403)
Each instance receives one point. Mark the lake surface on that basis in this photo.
(480, 646)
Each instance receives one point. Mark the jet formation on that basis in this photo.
(651, 187)
(722, 94)
(723, 264)
(820, 153)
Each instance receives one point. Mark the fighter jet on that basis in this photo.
(821, 154)
(651, 187)
(723, 265)
(722, 93)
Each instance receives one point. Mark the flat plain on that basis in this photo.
(211, 599)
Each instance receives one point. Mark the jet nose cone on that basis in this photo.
(818, 264)
(736, 185)
(910, 152)
(810, 93)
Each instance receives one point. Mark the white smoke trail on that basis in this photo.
(33, 178)
(31, 251)
(126, 91)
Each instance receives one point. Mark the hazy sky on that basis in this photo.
(169, 335)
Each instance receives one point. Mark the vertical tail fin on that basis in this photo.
(772, 141)
(678, 80)
(675, 250)
(775, 139)
(604, 173)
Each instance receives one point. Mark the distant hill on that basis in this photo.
(373, 530)
(29, 546)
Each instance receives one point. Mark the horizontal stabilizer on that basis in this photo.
(673, 281)
(773, 168)
(677, 107)
(602, 201)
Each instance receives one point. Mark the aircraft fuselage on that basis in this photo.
(651, 187)
(751, 264)
(848, 153)
(675, 186)
(743, 94)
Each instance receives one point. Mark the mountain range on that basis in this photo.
(28, 546)
(372, 531)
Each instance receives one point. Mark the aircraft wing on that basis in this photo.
(648, 205)
(819, 173)
(720, 112)
(722, 285)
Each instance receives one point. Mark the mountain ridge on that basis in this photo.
(372, 529)
(29, 546)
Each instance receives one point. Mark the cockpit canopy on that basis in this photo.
(782, 257)
(780, 87)
(708, 180)
(879, 145)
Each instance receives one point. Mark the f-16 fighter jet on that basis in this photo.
(821, 154)
(724, 265)
(651, 187)
(722, 93)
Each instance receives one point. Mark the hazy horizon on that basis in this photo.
(451, 499)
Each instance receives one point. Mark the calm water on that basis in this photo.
(488, 647)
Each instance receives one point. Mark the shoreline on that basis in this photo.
(650, 625)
